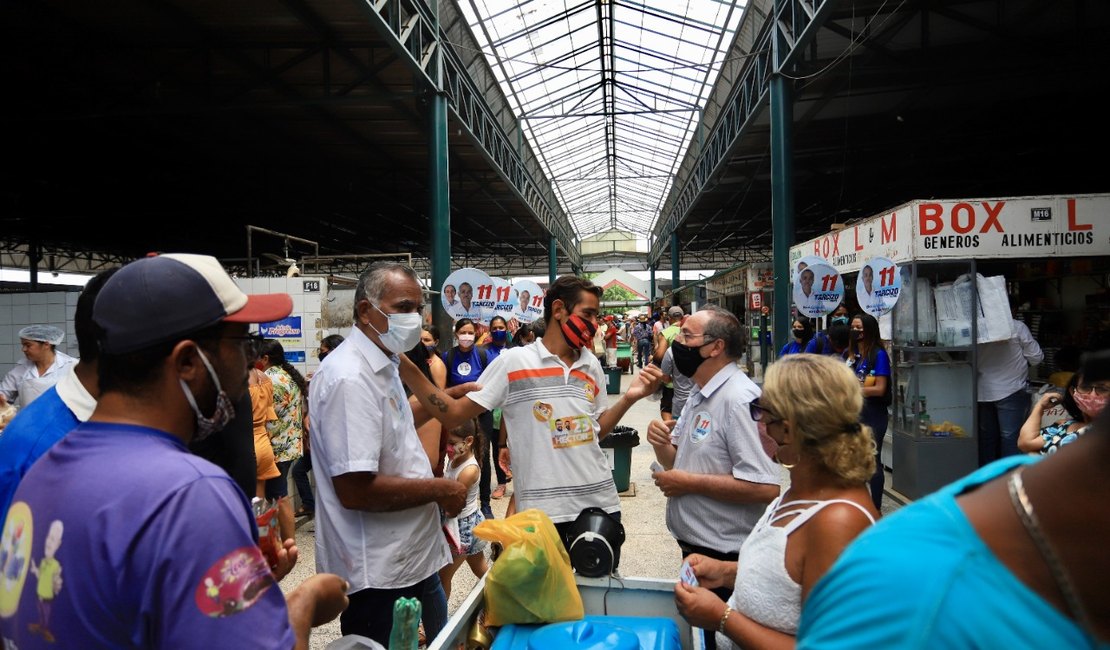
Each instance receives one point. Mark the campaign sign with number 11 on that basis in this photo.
(878, 286)
(818, 289)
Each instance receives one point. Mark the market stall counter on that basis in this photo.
(964, 267)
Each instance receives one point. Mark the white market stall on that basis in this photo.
(1050, 254)
(745, 290)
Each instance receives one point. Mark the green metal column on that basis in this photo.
(674, 269)
(782, 189)
(34, 254)
(439, 194)
(552, 260)
(651, 290)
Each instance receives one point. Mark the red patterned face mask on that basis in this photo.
(578, 331)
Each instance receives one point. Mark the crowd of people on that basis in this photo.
(198, 420)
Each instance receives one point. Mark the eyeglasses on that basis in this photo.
(1102, 390)
(759, 413)
(249, 342)
(685, 336)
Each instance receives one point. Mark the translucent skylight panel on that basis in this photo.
(609, 139)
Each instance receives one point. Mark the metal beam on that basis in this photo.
(796, 23)
(410, 29)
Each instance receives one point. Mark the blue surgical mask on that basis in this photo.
(843, 320)
(499, 336)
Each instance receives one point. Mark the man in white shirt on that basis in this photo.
(553, 401)
(1003, 402)
(712, 466)
(377, 501)
(41, 368)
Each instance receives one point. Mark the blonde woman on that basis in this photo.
(810, 407)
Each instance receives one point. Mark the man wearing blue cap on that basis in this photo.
(118, 536)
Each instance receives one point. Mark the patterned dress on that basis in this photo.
(287, 431)
(1056, 435)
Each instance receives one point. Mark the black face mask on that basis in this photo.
(857, 335)
(798, 334)
(687, 359)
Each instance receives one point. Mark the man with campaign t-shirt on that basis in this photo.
(172, 560)
(554, 404)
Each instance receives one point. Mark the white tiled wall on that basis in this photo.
(305, 305)
(18, 310)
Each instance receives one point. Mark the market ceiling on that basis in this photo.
(172, 124)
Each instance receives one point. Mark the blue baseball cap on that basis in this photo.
(162, 298)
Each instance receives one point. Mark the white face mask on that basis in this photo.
(403, 332)
(466, 340)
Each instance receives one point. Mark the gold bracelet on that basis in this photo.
(724, 617)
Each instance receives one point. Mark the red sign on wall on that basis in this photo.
(755, 300)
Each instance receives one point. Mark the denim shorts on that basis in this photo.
(467, 539)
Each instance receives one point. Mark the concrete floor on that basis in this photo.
(648, 551)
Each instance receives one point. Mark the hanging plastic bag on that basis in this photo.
(269, 530)
(532, 580)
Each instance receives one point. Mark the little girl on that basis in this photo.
(462, 467)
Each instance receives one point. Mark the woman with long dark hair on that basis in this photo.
(871, 364)
(465, 363)
(1082, 400)
(802, 332)
(287, 431)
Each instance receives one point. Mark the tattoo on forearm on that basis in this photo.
(438, 402)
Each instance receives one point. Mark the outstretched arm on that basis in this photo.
(647, 382)
(436, 402)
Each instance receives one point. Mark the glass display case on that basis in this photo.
(934, 411)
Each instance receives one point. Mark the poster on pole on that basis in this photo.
(504, 300)
(878, 286)
(462, 291)
(797, 267)
(819, 290)
(529, 305)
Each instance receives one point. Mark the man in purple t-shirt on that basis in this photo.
(118, 536)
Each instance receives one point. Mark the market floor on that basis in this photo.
(648, 551)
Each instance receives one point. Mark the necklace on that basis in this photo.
(1028, 518)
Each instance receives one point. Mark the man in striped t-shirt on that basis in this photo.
(715, 473)
(552, 398)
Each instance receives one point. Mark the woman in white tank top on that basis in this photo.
(810, 406)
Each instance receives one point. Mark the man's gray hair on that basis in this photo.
(724, 325)
(372, 282)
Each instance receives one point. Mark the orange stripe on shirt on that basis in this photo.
(586, 378)
(535, 372)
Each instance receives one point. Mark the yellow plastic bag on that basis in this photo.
(532, 581)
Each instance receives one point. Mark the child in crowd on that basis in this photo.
(462, 466)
